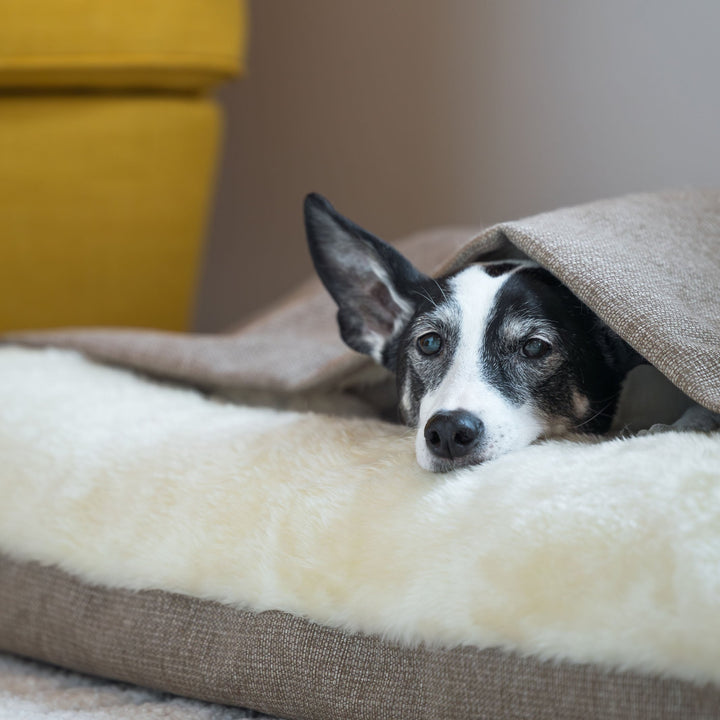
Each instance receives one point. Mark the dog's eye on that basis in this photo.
(536, 348)
(429, 343)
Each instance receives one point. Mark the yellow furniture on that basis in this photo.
(108, 140)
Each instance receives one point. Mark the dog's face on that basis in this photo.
(487, 360)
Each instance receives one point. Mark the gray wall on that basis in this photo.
(413, 113)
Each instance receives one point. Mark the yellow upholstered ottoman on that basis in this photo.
(108, 140)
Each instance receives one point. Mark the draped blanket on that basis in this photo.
(648, 265)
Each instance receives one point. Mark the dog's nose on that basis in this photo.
(453, 434)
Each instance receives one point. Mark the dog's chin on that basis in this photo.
(435, 464)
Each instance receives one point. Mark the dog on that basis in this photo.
(487, 360)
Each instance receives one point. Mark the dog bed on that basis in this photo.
(303, 565)
(273, 547)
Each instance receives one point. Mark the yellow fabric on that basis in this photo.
(120, 43)
(102, 206)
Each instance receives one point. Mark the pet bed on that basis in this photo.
(304, 566)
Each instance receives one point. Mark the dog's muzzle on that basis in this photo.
(453, 434)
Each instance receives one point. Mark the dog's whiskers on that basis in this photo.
(597, 414)
(426, 296)
(442, 291)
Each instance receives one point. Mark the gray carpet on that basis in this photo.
(34, 691)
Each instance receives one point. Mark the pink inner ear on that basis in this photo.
(379, 310)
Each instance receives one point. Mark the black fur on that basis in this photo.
(587, 358)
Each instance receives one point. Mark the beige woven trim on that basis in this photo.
(285, 665)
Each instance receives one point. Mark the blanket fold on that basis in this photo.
(647, 264)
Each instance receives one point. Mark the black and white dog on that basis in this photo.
(487, 360)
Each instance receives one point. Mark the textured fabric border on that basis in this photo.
(287, 666)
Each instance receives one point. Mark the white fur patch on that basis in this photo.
(604, 552)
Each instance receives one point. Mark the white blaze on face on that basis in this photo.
(465, 386)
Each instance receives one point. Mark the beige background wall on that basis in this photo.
(410, 113)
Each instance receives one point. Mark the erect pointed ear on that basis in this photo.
(371, 282)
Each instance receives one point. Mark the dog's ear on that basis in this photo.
(371, 282)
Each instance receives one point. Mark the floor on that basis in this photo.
(34, 691)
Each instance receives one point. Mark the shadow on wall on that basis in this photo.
(416, 113)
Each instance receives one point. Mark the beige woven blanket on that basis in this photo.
(648, 265)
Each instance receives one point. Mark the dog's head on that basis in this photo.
(487, 360)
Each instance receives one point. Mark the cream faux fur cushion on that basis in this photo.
(603, 552)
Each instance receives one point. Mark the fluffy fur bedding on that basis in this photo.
(604, 552)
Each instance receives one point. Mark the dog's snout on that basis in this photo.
(453, 434)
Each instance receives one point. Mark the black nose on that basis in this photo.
(453, 434)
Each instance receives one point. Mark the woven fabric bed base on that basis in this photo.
(284, 665)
